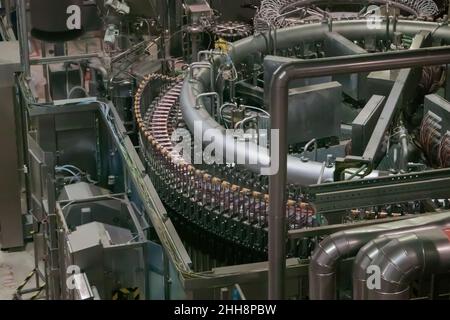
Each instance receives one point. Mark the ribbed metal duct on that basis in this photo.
(407, 258)
(345, 244)
(363, 261)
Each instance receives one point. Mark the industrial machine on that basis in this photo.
(206, 150)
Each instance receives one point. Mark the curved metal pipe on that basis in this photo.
(404, 150)
(364, 259)
(307, 146)
(299, 172)
(345, 244)
(406, 258)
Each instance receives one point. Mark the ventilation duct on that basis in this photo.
(345, 244)
(407, 258)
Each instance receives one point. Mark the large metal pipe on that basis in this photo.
(406, 258)
(331, 251)
(364, 259)
(278, 105)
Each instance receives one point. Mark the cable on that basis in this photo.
(75, 89)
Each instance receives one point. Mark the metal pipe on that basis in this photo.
(307, 146)
(279, 120)
(130, 51)
(344, 244)
(403, 138)
(406, 258)
(61, 59)
(363, 261)
(202, 65)
(212, 95)
(23, 36)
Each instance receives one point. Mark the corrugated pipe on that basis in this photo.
(407, 258)
(345, 244)
(363, 261)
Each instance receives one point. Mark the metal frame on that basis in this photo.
(279, 102)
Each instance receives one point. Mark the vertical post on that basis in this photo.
(8, 13)
(11, 159)
(23, 36)
(277, 201)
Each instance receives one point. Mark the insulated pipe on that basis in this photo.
(404, 150)
(279, 93)
(364, 259)
(406, 258)
(346, 244)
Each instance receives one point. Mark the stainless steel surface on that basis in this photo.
(12, 169)
(363, 261)
(298, 172)
(346, 244)
(318, 120)
(337, 196)
(81, 190)
(279, 102)
(84, 291)
(364, 123)
(381, 82)
(406, 258)
(335, 45)
(272, 63)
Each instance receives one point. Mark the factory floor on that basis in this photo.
(14, 268)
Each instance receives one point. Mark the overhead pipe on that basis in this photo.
(408, 258)
(345, 244)
(279, 93)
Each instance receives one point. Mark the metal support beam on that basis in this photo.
(61, 59)
(340, 196)
(11, 219)
(23, 36)
(447, 83)
(398, 98)
(279, 103)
